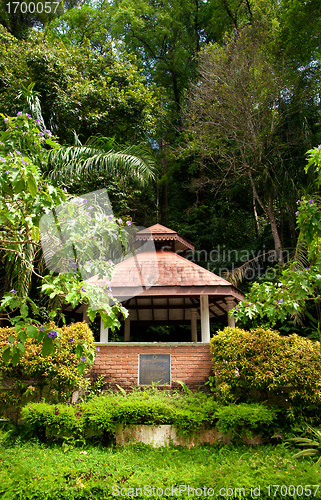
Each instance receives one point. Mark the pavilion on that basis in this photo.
(163, 287)
(172, 290)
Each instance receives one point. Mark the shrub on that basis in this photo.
(245, 417)
(54, 420)
(99, 416)
(267, 362)
(54, 376)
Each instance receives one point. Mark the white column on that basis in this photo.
(205, 319)
(230, 305)
(194, 324)
(103, 332)
(127, 328)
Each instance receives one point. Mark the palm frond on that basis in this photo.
(237, 275)
(300, 256)
(87, 162)
(103, 143)
(32, 101)
(303, 441)
(311, 452)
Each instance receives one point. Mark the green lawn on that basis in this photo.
(38, 471)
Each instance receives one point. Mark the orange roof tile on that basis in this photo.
(157, 229)
(163, 272)
(171, 270)
(163, 233)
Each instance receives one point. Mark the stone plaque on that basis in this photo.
(154, 368)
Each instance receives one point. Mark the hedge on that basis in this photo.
(100, 415)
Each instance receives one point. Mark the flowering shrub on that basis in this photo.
(54, 376)
(57, 419)
(264, 360)
(26, 200)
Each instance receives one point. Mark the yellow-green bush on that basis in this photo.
(267, 362)
(54, 376)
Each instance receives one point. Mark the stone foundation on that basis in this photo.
(166, 435)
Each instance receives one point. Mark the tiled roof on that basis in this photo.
(156, 229)
(161, 233)
(161, 269)
(164, 273)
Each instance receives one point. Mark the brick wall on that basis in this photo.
(118, 361)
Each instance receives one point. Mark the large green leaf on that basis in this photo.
(15, 358)
(81, 367)
(32, 185)
(21, 347)
(24, 310)
(32, 331)
(47, 346)
(6, 355)
(22, 336)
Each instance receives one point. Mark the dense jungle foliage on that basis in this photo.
(224, 95)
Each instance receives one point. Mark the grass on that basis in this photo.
(29, 470)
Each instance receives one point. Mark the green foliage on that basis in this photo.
(42, 472)
(85, 22)
(235, 119)
(19, 20)
(245, 417)
(58, 420)
(299, 35)
(311, 447)
(24, 133)
(101, 414)
(79, 89)
(188, 414)
(4, 437)
(264, 361)
(25, 203)
(40, 374)
(299, 283)
(24, 198)
(77, 166)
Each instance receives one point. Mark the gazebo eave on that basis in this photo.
(179, 291)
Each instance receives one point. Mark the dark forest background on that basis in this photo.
(225, 94)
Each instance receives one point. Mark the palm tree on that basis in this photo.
(100, 157)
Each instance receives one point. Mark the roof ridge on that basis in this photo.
(161, 228)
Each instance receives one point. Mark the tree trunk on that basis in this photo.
(270, 214)
(275, 233)
(256, 217)
(164, 186)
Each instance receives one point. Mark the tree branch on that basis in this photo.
(249, 9)
(256, 193)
